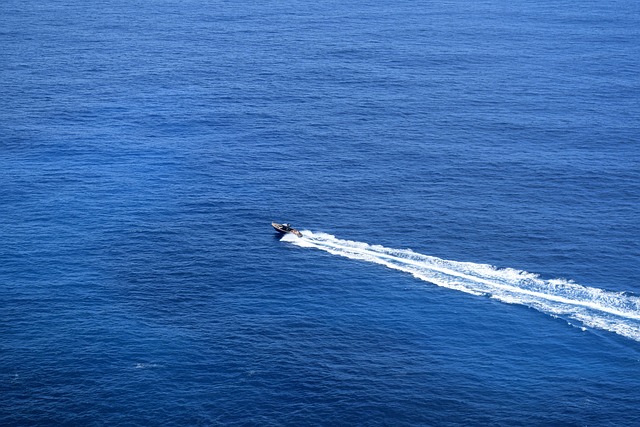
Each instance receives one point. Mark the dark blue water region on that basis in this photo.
(145, 148)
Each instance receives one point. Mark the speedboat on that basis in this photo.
(285, 228)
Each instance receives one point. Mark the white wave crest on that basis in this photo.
(596, 308)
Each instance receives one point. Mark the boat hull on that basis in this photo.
(284, 229)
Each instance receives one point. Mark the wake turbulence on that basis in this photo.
(596, 308)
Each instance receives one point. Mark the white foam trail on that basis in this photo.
(596, 308)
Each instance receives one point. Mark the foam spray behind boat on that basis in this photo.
(596, 308)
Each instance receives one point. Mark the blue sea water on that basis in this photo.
(466, 175)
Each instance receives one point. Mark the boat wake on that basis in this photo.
(596, 308)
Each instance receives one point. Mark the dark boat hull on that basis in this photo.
(284, 229)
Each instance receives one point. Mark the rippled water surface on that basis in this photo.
(465, 174)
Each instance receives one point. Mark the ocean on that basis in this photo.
(466, 176)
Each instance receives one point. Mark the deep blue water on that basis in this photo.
(146, 146)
